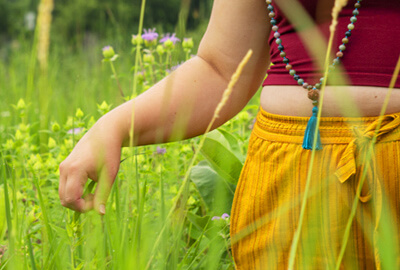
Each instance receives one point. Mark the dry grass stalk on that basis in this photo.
(44, 24)
(339, 4)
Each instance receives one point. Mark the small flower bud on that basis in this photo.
(187, 43)
(169, 44)
(160, 50)
(140, 77)
(23, 127)
(52, 143)
(108, 52)
(148, 58)
(21, 104)
(91, 122)
(18, 135)
(103, 108)
(136, 40)
(55, 127)
(79, 113)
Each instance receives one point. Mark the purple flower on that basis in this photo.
(168, 36)
(108, 52)
(75, 131)
(215, 218)
(173, 68)
(105, 48)
(225, 216)
(150, 34)
(161, 151)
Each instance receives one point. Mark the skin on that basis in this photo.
(189, 96)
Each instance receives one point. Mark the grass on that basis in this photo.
(37, 132)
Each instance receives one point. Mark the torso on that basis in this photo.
(349, 101)
(362, 62)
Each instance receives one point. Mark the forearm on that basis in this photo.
(180, 106)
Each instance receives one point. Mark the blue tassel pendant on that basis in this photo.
(310, 131)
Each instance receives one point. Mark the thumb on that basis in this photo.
(103, 189)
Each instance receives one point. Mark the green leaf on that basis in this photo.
(199, 222)
(215, 191)
(218, 151)
(233, 144)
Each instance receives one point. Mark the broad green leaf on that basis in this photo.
(223, 160)
(215, 191)
(233, 144)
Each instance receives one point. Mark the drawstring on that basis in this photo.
(359, 153)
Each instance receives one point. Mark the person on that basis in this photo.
(267, 203)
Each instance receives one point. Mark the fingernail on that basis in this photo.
(102, 209)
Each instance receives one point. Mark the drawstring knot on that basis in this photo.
(359, 157)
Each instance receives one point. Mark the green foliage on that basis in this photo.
(221, 149)
(215, 191)
(145, 187)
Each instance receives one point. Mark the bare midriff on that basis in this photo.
(347, 101)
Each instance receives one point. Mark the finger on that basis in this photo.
(73, 191)
(103, 190)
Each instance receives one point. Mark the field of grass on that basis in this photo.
(46, 107)
(170, 204)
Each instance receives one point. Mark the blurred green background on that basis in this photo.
(76, 77)
(75, 22)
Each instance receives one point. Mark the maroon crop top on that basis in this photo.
(371, 54)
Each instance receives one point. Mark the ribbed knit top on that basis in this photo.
(370, 56)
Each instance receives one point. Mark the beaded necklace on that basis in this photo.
(313, 90)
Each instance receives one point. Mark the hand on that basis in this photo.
(96, 156)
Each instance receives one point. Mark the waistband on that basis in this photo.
(333, 130)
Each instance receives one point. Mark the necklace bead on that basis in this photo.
(313, 92)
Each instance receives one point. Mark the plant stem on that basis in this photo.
(116, 78)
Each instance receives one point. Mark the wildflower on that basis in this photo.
(140, 76)
(215, 218)
(52, 143)
(225, 216)
(150, 37)
(79, 113)
(109, 54)
(136, 40)
(103, 108)
(187, 44)
(169, 41)
(18, 135)
(55, 127)
(148, 58)
(23, 128)
(161, 151)
(75, 131)
(170, 37)
(160, 50)
(21, 104)
(150, 34)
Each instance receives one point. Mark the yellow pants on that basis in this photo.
(268, 198)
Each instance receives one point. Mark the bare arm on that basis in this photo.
(187, 98)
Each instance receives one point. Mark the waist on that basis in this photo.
(333, 130)
(348, 101)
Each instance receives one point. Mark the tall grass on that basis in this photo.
(156, 218)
